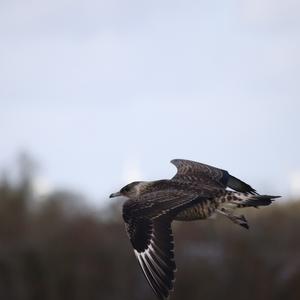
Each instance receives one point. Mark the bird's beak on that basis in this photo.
(115, 195)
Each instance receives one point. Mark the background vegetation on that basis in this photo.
(61, 249)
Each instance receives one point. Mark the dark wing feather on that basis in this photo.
(148, 225)
(161, 202)
(153, 245)
(188, 170)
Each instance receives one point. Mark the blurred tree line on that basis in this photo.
(59, 249)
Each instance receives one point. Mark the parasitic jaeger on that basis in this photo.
(196, 192)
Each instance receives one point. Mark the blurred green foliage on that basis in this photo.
(59, 249)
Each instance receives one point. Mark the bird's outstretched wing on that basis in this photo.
(153, 245)
(148, 225)
(188, 170)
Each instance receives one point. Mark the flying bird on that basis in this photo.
(197, 191)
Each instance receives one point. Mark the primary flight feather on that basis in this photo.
(196, 192)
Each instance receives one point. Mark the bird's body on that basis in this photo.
(196, 192)
(200, 210)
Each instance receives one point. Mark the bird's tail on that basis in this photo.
(252, 200)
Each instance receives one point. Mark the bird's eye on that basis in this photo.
(125, 189)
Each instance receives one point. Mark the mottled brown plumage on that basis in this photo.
(196, 192)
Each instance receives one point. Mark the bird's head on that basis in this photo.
(130, 190)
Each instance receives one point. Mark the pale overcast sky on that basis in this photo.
(104, 92)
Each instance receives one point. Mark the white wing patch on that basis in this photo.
(155, 269)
